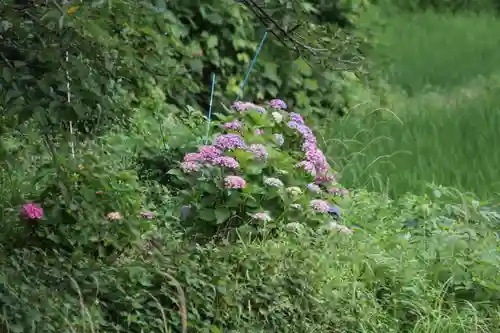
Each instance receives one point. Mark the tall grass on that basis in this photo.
(445, 99)
(435, 50)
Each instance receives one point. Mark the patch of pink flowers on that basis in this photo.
(209, 153)
(320, 206)
(234, 125)
(147, 215)
(307, 166)
(297, 118)
(277, 104)
(259, 131)
(234, 182)
(245, 106)
(190, 167)
(193, 157)
(229, 142)
(325, 179)
(31, 211)
(226, 162)
(259, 151)
(338, 191)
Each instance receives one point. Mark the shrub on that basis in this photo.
(263, 167)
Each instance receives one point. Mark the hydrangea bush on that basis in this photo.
(263, 168)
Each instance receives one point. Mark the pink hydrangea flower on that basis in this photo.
(277, 104)
(323, 179)
(229, 141)
(245, 106)
(193, 157)
(234, 125)
(234, 182)
(307, 166)
(259, 131)
(147, 215)
(320, 206)
(296, 117)
(31, 211)
(190, 167)
(226, 162)
(259, 151)
(209, 153)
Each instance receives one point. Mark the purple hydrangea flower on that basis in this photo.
(297, 118)
(259, 151)
(334, 210)
(277, 104)
(229, 141)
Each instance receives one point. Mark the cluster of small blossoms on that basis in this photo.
(147, 215)
(259, 131)
(325, 179)
(189, 166)
(259, 151)
(234, 125)
(313, 188)
(207, 155)
(245, 106)
(262, 216)
(277, 104)
(273, 182)
(234, 182)
(315, 161)
(280, 140)
(226, 162)
(229, 142)
(277, 117)
(113, 216)
(294, 191)
(31, 211)
(338, 191)
(320, 206)
(307, 166)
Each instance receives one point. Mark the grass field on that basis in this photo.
(445, 97)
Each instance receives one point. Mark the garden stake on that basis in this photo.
(68, 99)
(254, 60)
(210, 108)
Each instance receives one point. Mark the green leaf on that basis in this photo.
(222, 214)
(207, 214)
(7, 75)
(212, 41)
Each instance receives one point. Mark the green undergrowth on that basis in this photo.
(418, 264)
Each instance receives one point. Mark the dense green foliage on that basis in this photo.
(101, 222)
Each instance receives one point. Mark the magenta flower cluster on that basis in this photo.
(31, 211)
(234, 125)
(315, 161)
(246, 106)
(207, 155)
(277, 104)
(234, 182)
(229, 142)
